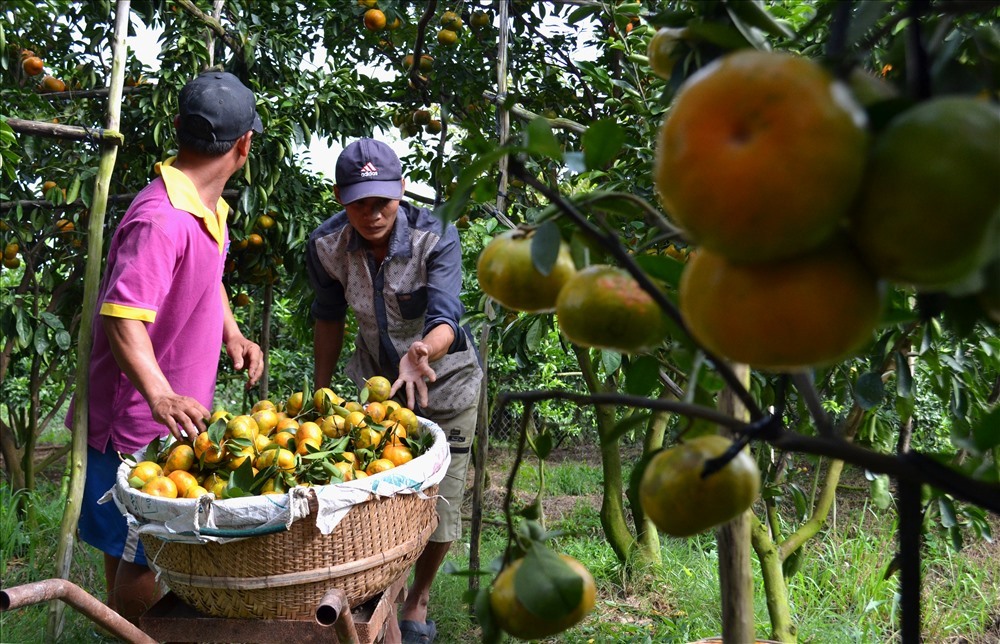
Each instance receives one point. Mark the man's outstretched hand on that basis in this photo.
(413, 368)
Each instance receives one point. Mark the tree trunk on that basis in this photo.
(612, 508)
(647, 537)
(775, 589)
(772, 556)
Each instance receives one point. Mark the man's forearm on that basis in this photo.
(133, 351)
(438, 340)
(328, 341)
(230, 328)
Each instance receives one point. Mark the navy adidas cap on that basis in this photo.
(368, 168)
(216, 106)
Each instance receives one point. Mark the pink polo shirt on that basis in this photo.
(165, 268)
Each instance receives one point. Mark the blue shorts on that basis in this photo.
(103, 525)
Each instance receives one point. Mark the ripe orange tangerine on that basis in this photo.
(761, 155)
(604, 307)
(374, 20)
(32, 65)
(781, 316)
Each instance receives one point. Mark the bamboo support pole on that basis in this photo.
(123, 198)
(503, 115)
(528, 115)
(733, 539)
(70, 132)
(481, 447)
(95, 245)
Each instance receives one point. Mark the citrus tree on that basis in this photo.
(835, 302)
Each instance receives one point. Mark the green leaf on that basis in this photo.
(880, 492)
(869, 390)
(754, 14)
(904, 377)
(800, 501)
(217, 430)
(718, 34)
(545, 245)
(905, 407)
(947, 508)
(484, 615)
(865, 16)
(601, 143)
(539, 139)
(662, 267)
(642, 375)
(546, 585)
(986, 433)
(23, 325)
(611, 360)
(41, 341)
(543, 445)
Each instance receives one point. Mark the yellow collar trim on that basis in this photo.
(184, 196)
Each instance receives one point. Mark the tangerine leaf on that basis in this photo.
(546, 585)
(611, 360)
(956, 538)
(947, 509)
(986, 433)
(663, 267)
(217, 430)
(539, 139)
(545, 245)
(601, 143)
(904, 377)
(543, 445)
(718, 34)
(904, 408)
(642, 375)
(536, 333)
(869, 390)
(484, 615)
(880, 491)
(866, 16)
(241, 480)
(800, 501)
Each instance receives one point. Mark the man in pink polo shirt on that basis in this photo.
(162, 315)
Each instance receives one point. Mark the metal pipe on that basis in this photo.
(334, 609)
(81, 600)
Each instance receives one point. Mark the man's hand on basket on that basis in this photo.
(413, 368)
(184, 416)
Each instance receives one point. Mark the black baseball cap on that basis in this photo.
(216, 106)
(368, 168)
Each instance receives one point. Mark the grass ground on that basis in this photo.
(838, 596)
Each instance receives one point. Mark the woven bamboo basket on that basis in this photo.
(284, 575)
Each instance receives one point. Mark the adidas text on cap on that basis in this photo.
(216, 106)
(368, 168)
